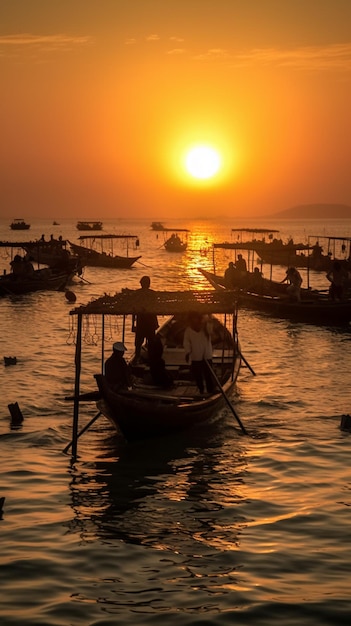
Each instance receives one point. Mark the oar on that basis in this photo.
(227, 399)
(89, 395)
(247, 364)
(83, 430)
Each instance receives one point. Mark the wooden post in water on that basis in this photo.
(78, 359)
(103, 345)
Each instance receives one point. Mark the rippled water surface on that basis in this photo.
(208, 527)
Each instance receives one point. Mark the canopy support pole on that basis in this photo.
(78, 359)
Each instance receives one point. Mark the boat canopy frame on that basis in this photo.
(131, 302)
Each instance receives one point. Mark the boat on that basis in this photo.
(157, 226)
(295, 254)
(44, 279)
(89, 225)
(314, 308)
(56, 223)
(145, 410)
(53, 253)
(19, 224)
(91, 251)
(176, 242)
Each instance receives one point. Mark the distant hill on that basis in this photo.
(315, 211)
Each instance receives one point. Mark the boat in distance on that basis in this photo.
(314, 308)
(178, 241)
(84, 225)
(92, 256)
(147, 410)
(157, 226)
(19, 224)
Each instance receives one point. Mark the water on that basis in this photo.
(206, 528)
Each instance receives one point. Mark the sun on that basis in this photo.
(202, 162)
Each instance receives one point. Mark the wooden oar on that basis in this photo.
(247, 364)
(227, 399)
(83, 430)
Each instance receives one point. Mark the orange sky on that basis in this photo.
(100, 99)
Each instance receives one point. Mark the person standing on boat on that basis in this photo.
(294, 278)
(144, 324)
(117, 371)
(337, 278)
(241, 264)
(198, 350)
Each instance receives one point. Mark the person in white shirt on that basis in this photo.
(198, 349)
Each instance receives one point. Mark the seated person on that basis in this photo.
(117, 371)
(231, 276)
(158, 373)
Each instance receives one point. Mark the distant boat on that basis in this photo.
(19, 224)
(92, 251)
(89, 225)
(157, 226)
(176, 243)
(55, 223)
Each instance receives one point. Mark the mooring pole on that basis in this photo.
(78, 358)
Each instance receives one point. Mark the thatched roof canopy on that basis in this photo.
(129, 302)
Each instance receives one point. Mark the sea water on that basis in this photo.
(208, 527)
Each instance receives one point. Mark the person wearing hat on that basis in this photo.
(144, 324)
(117, 371)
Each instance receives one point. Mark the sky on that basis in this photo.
(102, 101)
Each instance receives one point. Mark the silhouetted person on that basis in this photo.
(144, 324)
(117, 371)
(198, 349)
(231, 276)
(159, 375)
(337, 277)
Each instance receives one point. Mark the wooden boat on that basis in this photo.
(176, 242)
(89, 225)
(246, 238)
(45, 279)
(157, 226)
(92, 251)
(145, 410)
(314, 307)
(297, 255)
(53, 253)
(19, 224)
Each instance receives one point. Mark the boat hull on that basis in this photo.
(140, 418)
(42, 280)
(98, 259)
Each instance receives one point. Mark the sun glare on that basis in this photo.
(202, 162)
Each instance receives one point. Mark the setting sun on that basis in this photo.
(202, 162)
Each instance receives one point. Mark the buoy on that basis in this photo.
(345, 423)
(70, 296)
